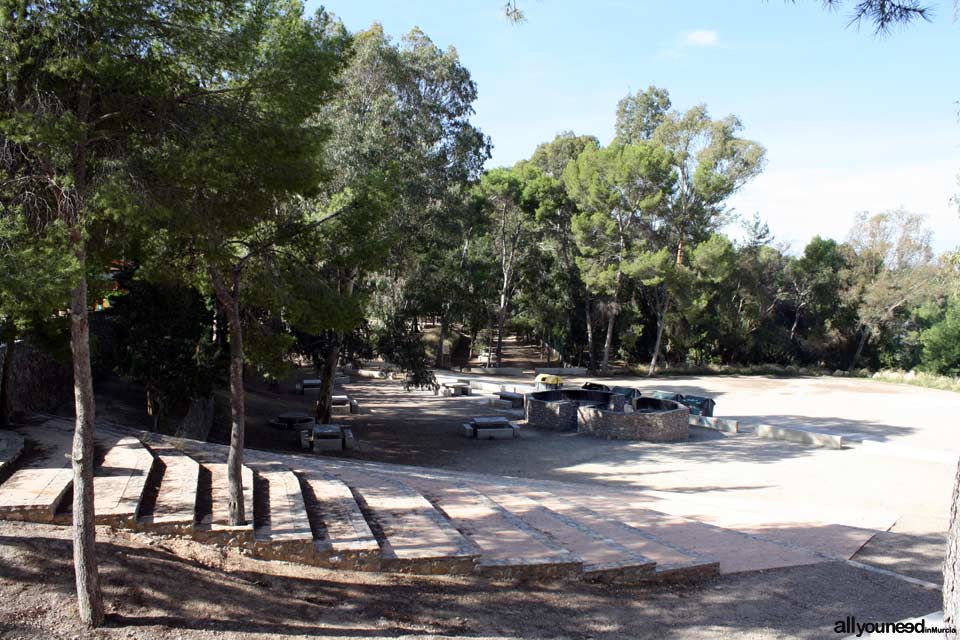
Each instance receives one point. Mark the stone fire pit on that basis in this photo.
(601, 414)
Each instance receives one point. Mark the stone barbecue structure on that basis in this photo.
(652, 420)
(603, 414)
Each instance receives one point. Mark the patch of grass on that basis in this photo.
(919, 379)
(775, 370)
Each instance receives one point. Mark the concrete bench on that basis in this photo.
(502, 433)
(718, 424)
(315, 385)
(490, 428)
(491, 421)
(340, 406)
(292, 420)
(309, 383)
(327, 437)
(515, 399)
(456, 388)
(801, 436)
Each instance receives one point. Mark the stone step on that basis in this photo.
(220, 490)
(285, 534)
(35, 490)
(175, 507)
(213, 500)
(510, 548)
(674, 563)
(604, 558)
(120, 479)
(11, 446)
(414, 536)
(343, 538)
(735, 551)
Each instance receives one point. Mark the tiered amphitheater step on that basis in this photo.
(343, 538)
(285, 530)
(35, 491)
(510, 548)
(174, 509)
(604, 558)
(370, 516)
(414, 536)
(120, 479)
(673, 562)
(213, 500)
(735, 551)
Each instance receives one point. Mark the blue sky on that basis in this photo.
(851, 122)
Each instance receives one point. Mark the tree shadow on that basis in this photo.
(147, 587)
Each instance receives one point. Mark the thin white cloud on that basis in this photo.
(701, 38)
(696, 39)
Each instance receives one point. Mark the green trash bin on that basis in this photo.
(699, 405)
(664, 395)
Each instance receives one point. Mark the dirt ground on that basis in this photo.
(202, 593)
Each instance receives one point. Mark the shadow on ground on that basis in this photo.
(150, 589)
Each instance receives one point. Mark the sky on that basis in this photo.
(851, 121)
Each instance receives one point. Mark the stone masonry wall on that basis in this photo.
(40, 382)
(556, 416)
(664, 426)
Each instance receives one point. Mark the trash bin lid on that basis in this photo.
(547, 378)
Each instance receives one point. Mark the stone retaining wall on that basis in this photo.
(40, 382)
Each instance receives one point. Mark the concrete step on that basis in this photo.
(414, 536)
(213, 500)
(11, 446)
(35, 490)
(510, 548)
(174, 509)
(342, 537)
(735, 551)
(604, 558)
(120, 479)
(285, 534)
(674, 563)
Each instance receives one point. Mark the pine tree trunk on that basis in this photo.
(325, 401)
(656, 346)
(6, 383)
(89, 598)
(951, 562)
(238, 419)
(501, 320)
(329, 370)
(592, 362)
(443, 337)
(230, 303)
(608, 342)
(796, 321)
(864, 336)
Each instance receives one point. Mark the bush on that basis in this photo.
(395, 343)
(941, 343)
